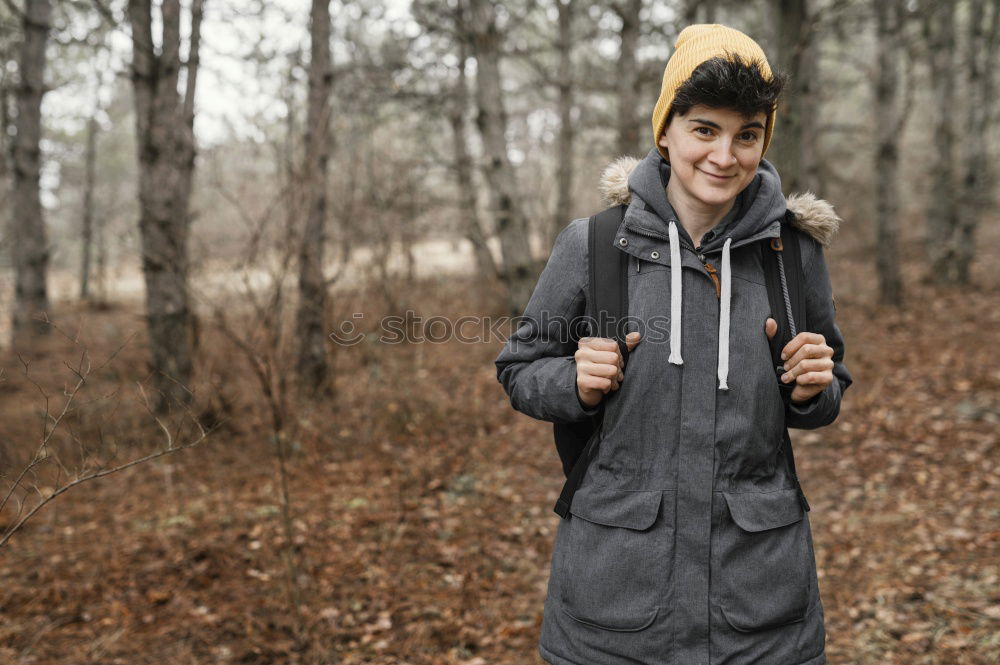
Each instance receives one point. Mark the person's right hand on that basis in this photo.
(599, 366)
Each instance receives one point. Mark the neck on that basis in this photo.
(696, 217)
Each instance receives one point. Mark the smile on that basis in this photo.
(720, 178)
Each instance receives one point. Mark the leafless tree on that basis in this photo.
(700, 11)
(566, 86)
(311, 329)
(165, 139)
(982, 52)
(889, 18)
(942, 210)
(519, 270)
(794, 146)
(30, 250)
(627, 79)
(462, 167)
(87, 214)
(450, 22)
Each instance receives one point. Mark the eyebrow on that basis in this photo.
(749, 125)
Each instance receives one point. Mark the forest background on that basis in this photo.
(212, 452)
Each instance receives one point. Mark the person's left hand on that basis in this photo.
(808, 362)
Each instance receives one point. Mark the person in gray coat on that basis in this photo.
(686, 542)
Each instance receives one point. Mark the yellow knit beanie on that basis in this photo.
(695, 45)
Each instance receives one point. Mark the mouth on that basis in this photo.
(718, 178)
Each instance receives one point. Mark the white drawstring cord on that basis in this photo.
(724, 317)
(675, 296)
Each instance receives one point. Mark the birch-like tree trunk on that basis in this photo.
(165, 141)
(462, 165)
(888, 128)
(942, 209)
(519, 270)
(30, 251)
(567, 128)
(982, 53)
(628, 78)
(310, 321)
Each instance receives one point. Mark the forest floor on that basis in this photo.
(421, 504)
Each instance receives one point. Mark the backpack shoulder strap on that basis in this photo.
(794, 275)
(782, 261)
(608, 277)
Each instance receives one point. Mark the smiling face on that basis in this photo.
(714, 154)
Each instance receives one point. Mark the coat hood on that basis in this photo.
(757, 213)
(814, 216)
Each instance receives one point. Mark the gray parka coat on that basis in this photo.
(686, 542)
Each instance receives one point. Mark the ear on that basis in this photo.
(663, 144)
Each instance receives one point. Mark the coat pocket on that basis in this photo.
(764, 560)
(614, 562)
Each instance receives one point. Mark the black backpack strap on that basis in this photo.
(607, 305)
(579, 470)
(782, 261)
(608, 277)
(784, 278)
(794, 276)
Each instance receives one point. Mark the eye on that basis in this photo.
(707, 132)
(749, 137)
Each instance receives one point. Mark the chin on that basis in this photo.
(716, 197)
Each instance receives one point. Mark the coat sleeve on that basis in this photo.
(536, 366)
(822, 409)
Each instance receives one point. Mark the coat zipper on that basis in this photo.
(712, 272)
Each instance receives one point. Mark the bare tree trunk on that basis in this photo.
(463, 171)
(793, 148)
(693, 11)
(101, 259)
(942, 212)
(628, 78)
(519, 270)
(6, 222)
(982, 50)
(165, 141)
(807, 175)
(87, 231)
(567, 128)
(312, 365)
(30, 243)
(888, 15)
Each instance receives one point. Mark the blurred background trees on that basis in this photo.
(463, 135)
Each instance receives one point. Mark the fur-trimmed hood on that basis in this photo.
(813, 215)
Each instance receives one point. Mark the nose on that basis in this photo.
(722, 155)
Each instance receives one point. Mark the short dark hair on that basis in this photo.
(730, 83)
